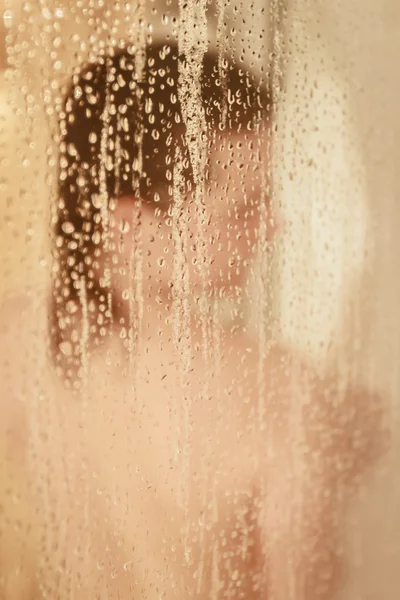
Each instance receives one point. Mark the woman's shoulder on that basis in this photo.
(289, 402)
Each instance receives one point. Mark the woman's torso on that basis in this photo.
(141, 483)
(169, 479)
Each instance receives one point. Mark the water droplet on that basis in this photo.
(98, 201)
(121, 81)
(71, 150)
(46, 13)
(124, 226)
(68, 227)
(100, 565)
(96, 237)
(78, 92)
(71, 307)
(128, 565)
(66, 348)
(8, 16)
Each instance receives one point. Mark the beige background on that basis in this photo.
(341, 188)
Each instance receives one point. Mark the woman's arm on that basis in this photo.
(318, 444)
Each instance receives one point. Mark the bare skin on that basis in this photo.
(142, 506)
(170, 475)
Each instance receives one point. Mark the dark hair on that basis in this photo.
(118, 131)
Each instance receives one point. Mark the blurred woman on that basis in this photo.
(184, 461)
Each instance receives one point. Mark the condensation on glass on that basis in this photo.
(199, 301)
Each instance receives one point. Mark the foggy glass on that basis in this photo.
(200, 316)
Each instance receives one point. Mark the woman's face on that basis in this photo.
(218, 229)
